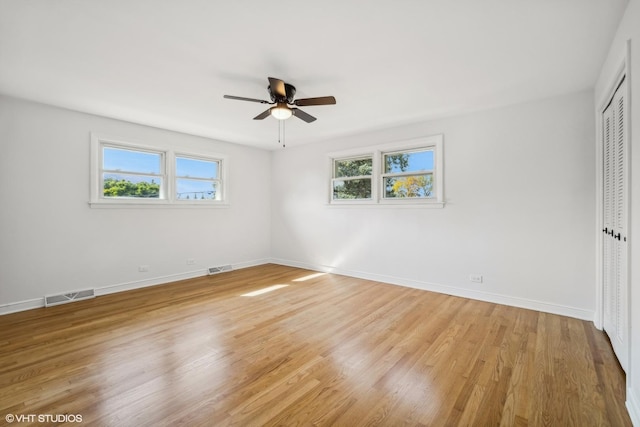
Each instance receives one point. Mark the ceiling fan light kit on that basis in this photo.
(281, 111)
(282, 95)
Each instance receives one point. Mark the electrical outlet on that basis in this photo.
(143, 268)
(191, 261)
(476, 278)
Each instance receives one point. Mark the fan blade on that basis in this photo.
(302, 115)
(263, 115)
(323, 100)
(277, 87)
(240, 98)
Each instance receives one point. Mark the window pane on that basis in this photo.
(408, 162)
(352, 189)
(353, 167)
(195, 168)
(409, 186)
(117, 159)
(139, 186)
(191, 189)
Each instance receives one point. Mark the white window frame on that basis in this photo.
(161, 175)
(371, 177)
(168, 173)
(434, 142)
(201, 157)
(385, 175)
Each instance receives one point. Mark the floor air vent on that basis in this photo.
(220, 269)
(68, 297)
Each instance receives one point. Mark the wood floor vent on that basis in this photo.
(219, 269)
(52, 300)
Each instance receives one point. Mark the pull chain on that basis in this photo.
(281, 133)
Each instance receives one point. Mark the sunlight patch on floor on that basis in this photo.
(264, 290)
(309, 277)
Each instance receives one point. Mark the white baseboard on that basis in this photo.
(15, 307)
(633, 406)
(137, 284)
(530, 304)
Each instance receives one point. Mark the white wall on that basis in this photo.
(519, 186)
(629, 29)
(52, 241)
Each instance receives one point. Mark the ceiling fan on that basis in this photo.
(281, 95)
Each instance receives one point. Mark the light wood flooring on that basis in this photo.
(327, 350)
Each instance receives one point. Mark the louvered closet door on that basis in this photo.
(615, 224)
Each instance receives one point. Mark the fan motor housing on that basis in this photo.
(289, 89)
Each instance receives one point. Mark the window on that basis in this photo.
(197, 179)
(408, 174)
(131, 174)
(352, 178)
(402, 173)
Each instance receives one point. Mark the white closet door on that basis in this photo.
(615, 224)
(607, 204)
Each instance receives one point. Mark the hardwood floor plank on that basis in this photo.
(320, 349)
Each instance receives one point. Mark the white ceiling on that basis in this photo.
(167, 63)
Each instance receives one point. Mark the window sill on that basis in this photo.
(388, 204)
(135, 204)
